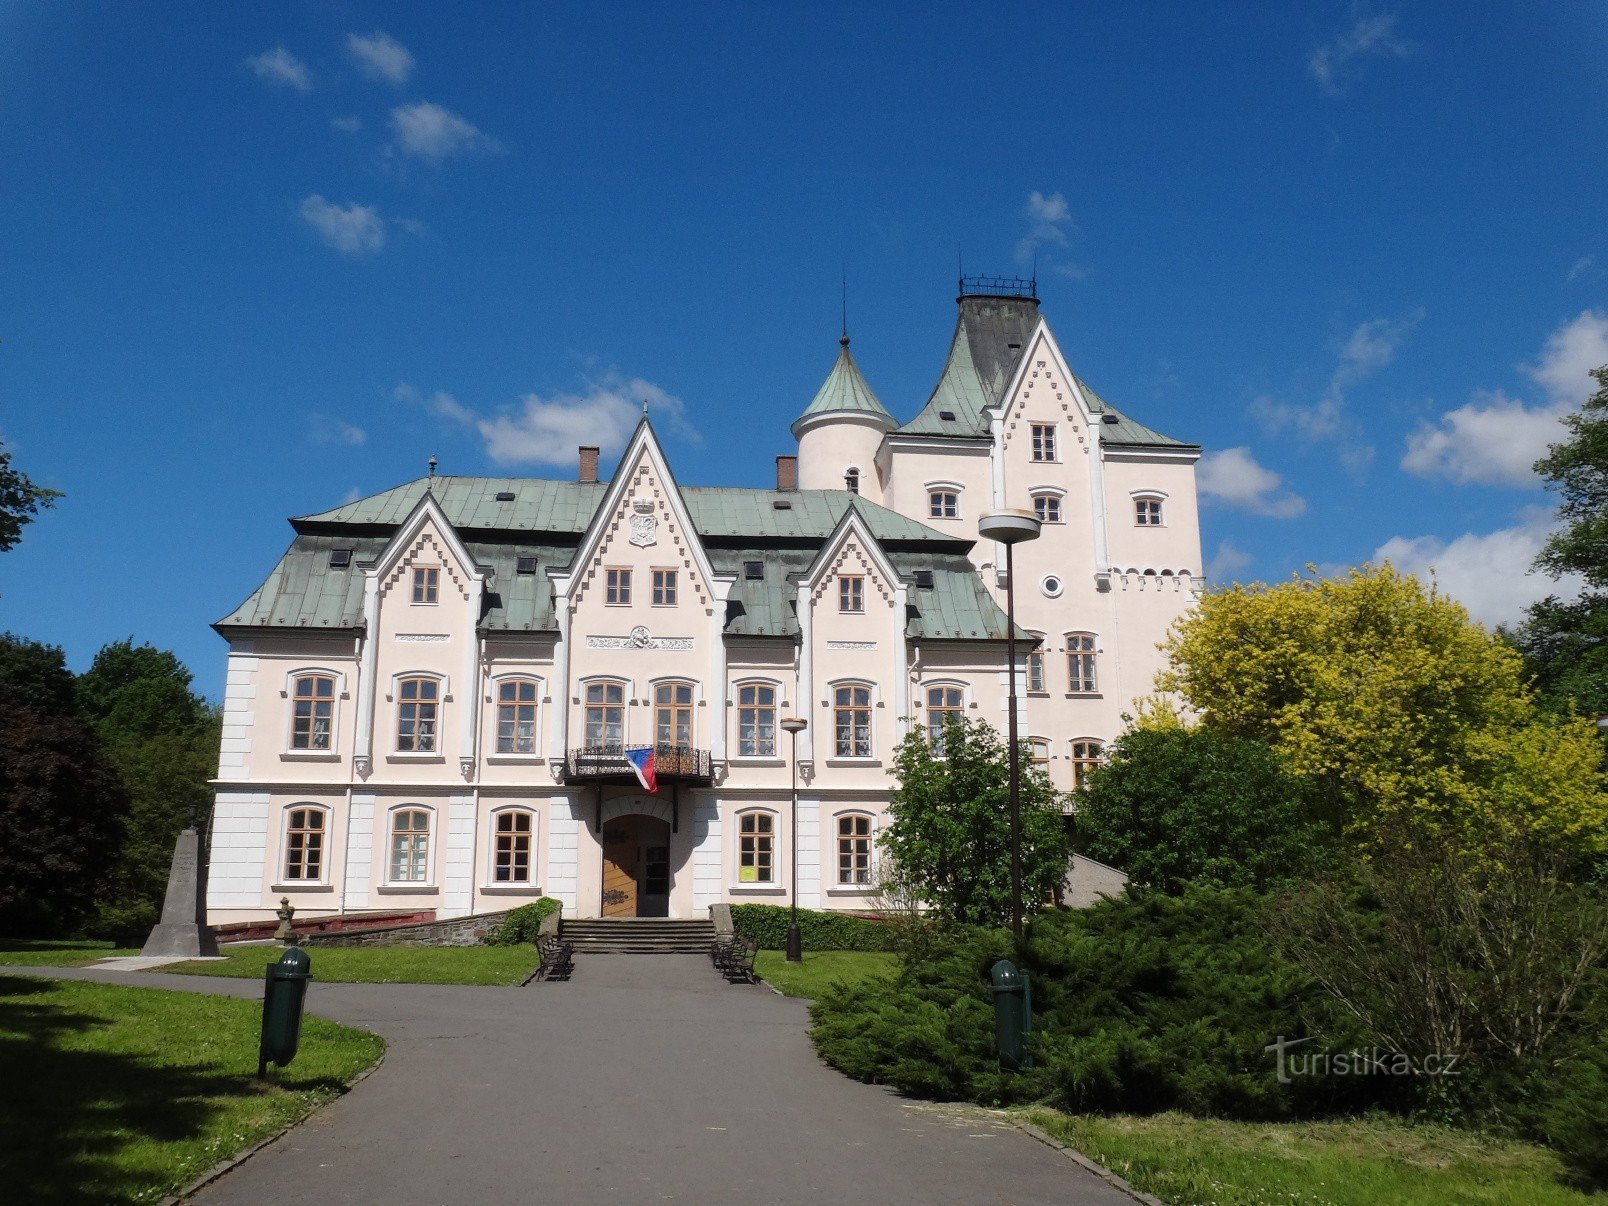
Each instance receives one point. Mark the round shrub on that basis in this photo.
(524, 923)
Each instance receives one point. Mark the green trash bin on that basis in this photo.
(283, 995)
(1013, 1014)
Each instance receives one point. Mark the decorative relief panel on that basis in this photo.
(639, 638)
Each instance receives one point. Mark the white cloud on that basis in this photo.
(431, 133)
(1227, 562)
(1491, 440)
(381, 57)
(279, 66)
(346, 125)
(1049, 228)
(351, 496)
(1581, 266)
(1233, 478)
(325, 430)
(1334, 63)
(1489, 574)
(441, 404)
(1572, 351)
(352, 230)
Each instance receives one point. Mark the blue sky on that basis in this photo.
(260, 259)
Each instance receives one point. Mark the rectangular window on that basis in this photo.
(416, 715)
(854, 849)
(664, 588)
(513, 848)
(1035, 670)
(426, 583)
(312, 710)
(943, 504)
(410, 846)
(756, 720)
(516, 717)
(1043, 441)
(853, 722)
(756, 849)
(619, 587)
(1147, 512)
(304, 845)
(1080, 654)
(605, 715)
(1040, 750)
(851, 594)
(1047, 507)
(944, 704)
(672, 716)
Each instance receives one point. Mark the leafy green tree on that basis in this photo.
(61, 801)
(950, 829)
(1177, 806)
(20, 501)
(1392, 702)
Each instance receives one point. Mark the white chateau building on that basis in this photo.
(429, 698)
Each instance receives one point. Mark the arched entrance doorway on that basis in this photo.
(636, 866)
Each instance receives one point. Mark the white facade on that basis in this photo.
(428, 699)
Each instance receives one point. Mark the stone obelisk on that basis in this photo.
(183, 930)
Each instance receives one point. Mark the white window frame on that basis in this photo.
(1054, 444)
(394, 698)
(1143, 496)
(494, 707)
(850, 887)
(512, 887)
(954, 488)
(778, 855)
(1055, 492)
(282, 880)
(775, 756)
(432, 835)
(859, 480)
(289, 695)
(875, 702)
(1037, 651)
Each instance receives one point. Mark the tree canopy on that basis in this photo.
(20, 500)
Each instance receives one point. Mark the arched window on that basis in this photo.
(945, 703)
(672, 716)
(1040, 749)
(605, 715)
(410, 846)
(516, 716)
(312, 714)
(756, 847)
(1047, 507)
(851, 481)
(854, 849)
(1087, 754)
(1080, 663)
(1035, 665)
(416, 718)
(1147, 511)
(515, 828)
(305, 826)
(943, 504)
(852, 717)
(756, 720)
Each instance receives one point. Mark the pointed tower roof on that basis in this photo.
(844, 392)
(990, 333)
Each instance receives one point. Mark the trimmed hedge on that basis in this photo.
(524, 923)
(820, 930)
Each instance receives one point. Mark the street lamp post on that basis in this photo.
(1011, 528)
(793, 726)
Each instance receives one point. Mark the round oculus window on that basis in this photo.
(1051, 586)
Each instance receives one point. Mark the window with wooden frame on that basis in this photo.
(617, 587)
(851, 593)
(672, 716)
(854, 849)
(312, 715)
(1147, 512)
(1035, 667)
(304, 844)
(1040, 750)
(1086, 756)
(516, 716)
(943, 504)
(756, 848)
(1080, 663)
(1047, 507)
(426, 584)
(416, 717)
(410, 846)
(605, 715)
(1044, 441)
(511, 848)
(852, 721)
(664, 588)
(756, 720)
(944, 704)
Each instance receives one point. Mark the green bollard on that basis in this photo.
(1013, 1014)
(284, 992)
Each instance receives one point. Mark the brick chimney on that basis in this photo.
(588, 464)
(787, 473)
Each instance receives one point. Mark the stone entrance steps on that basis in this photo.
(637, 935)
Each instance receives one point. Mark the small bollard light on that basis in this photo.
(283, 995)
(1013, 1014)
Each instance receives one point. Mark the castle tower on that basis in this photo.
(840, 431)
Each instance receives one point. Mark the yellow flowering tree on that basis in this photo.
(1393, 701)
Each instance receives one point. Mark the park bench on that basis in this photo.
(557, 958)
(735, 958)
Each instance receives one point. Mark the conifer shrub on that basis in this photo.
(820, 930)
(523, 924)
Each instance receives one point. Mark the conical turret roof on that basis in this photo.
(845, 392)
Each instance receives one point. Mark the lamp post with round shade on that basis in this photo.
(1011, 528)
(793, 726)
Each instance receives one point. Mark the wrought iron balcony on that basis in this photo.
(608, 764)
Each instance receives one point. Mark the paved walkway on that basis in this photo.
(643, 1079)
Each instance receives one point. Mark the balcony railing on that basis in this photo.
(608, 764)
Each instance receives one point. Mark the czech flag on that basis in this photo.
(642, 762)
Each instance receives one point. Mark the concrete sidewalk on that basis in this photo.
(645, 1078)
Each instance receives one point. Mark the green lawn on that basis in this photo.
(382, 964)
(50, 952)
(821, 968)
(1350, 1163)
(113, 1094)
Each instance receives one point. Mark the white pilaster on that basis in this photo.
(238, 860)
(458, 871)
(359, 851)
(708, 884)
(239, 712)
(810, 870)
(563, 853)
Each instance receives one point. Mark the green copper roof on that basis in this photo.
(1124, 432)
(990, 334)
(845, 392)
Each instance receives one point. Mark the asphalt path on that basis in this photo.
(646, 1078)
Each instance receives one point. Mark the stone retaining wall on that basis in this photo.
(457, 931)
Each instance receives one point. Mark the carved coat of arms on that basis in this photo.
(644, 524)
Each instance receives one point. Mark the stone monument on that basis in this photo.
(183, 931)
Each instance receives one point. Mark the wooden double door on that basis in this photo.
(636, 867)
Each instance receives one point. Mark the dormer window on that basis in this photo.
(340, 558)
(505, 496)
(948, 416)
(525, 565)
(754, 571)
(426, 584)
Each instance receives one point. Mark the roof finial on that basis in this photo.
(844, 341)
(432, 465)
(644, 408)
(960, 263)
